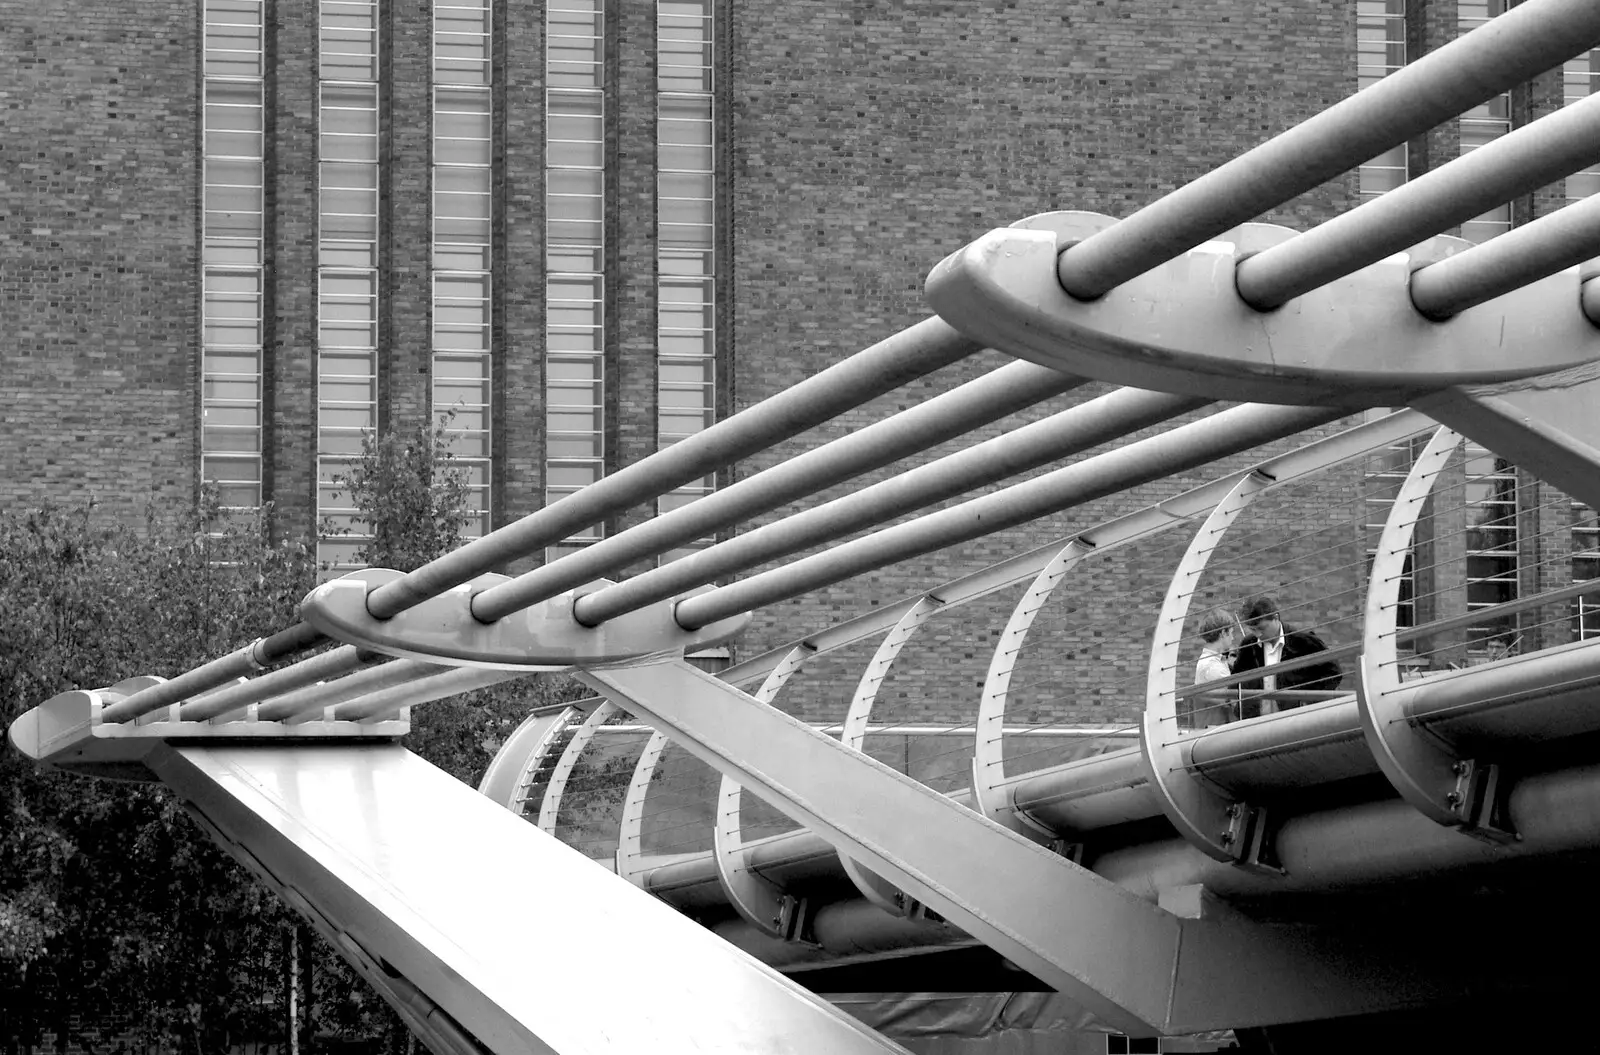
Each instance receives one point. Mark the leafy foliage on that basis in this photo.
(411, 495)
(109, 895)
(111, 898)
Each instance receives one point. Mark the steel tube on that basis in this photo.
(1011, 388)
(1375, 842)
(452, 682)
(885, 366)
(1589, 299)
(1098, 421)
(330, 664)
(296, 638)
(1174, 451)
(1515, 47)
(329, 693)
(1340, 848)
(1523, 254)
(1515, 163)
(260, 653)
(219, 671)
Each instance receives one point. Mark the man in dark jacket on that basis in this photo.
(1271, 642)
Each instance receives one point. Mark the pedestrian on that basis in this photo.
(1269, 642)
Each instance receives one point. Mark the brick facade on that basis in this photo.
(98, 284)
(859, 142)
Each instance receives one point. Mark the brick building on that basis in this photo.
(242, 233)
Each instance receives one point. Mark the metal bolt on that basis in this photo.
(1458, 768)
(1233, 809)
(1226, 837)
(1454, 798)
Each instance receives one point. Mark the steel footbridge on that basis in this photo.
(1331, 416)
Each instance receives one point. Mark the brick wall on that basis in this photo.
(871, 139)
(98, 189)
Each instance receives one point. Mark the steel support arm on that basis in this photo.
(1546, 423)
(1138, 967)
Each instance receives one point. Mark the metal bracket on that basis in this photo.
(550, 805)
(1447, 788)
(873, 887)
(758, 900)
(630, 834)
(509, 777)
(990, 792)
(545, 636)
(1219, 827)
(1182, 326)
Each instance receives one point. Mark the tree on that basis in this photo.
(111, 899)
(413, 502)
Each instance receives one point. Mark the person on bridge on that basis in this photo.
(1269, 642)
(1219, 635)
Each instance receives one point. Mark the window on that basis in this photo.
(1384, 473)
(575, 291)
(1580, 79)
(231, 254)
(463, 217)
(1485, 122)
(1585, 566)
(1492, 540)
(686, 243)
(347, 260)
(1380, 50)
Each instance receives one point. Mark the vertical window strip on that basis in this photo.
(231, 253)
(1380, 50)
(1485, 122)
(1580, 79)
(574, 254)
(463, 289)
(685, 238)
(1493, 545)
(1585, 566)
(347, 264)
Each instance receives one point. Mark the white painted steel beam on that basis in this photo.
(495, 930)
